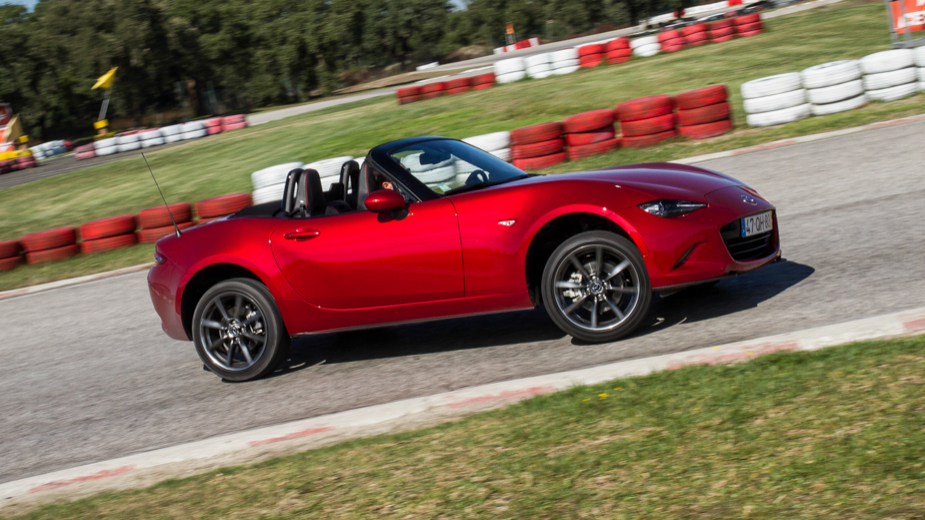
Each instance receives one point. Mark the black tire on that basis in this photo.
(248, 312)
(584, 304)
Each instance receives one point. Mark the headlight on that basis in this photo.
(670, 208)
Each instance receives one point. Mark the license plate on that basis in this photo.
(756, 224)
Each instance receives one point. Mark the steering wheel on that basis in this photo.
(476, 177)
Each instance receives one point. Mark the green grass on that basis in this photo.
(222, 164)
(831, 434)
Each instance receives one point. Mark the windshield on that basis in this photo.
(452, 166)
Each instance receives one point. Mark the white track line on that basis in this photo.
(258, 444)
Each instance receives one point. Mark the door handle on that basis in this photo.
(302, 233)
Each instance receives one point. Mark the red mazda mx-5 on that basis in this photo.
(430, 228)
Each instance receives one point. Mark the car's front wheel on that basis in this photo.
(238, 331)
(596, 286)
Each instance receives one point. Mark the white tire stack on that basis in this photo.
(510, 70)
(834, 87)
(172, 133)
(775, 100)
(127, 143)
(151, 138)
(890, 75)
(270, 182)
(538, 66)
(193, 130)
(106, 146)
(328, 170)
(564, 61)
(646, 46)
(430, 174)
(496, 143)
(918, 55)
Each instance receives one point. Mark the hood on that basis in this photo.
(668, 180)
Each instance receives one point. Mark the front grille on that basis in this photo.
(745, 249)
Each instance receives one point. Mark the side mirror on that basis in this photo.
(381, 201)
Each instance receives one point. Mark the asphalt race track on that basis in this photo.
(87, 375)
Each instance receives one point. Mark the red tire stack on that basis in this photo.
(87, 151)
(458, 86)
(671, 41)
(722, 31)
(51, 245)
(590, 133)
(704, 112)
(695, 35)
(591, 55)
(618, 51)
(217, 207)
(155, 222)
(646, 121)
(433, 90)
(108, 234)
(6, 166)
(234, 122)
(10, 255)
(538, 146)
(25, 162)
(213, 125)
(483, 81)
(408, 95)
(748, 25)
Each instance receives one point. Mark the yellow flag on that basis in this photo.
(105, 81)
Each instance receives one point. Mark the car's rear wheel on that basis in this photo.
(596, 287)
(238, 331)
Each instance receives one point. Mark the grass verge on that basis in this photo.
(222, 164)
(834, 434)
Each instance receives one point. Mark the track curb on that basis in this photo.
(32, 289)
(143, 469)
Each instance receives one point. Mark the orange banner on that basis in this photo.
(914, 18)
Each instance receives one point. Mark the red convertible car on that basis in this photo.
(432, 228)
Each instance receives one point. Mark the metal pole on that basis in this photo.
(889, 20)
(105, 106)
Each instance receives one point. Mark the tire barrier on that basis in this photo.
(108, 227)
(646, 46)
(538, 66)
(269, 182)
(695, 35)
(10, 255)
(507, 71)
(235, 122)
(51, 245)
(50, 149)
(671, 41)
(618, 51)
(159, 216)
(458, 86)
(222, 206)
(538, 146)
(433, 90)
(590, 133)
(194, 130)
(704, 113)
(890, 75)
(147, 138)
(834, 87)
(775, 100)
(496, 143)
(646, 121)
(591, 55)
(152, 235)
(102, 245)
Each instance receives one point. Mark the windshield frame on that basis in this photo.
(382, 157)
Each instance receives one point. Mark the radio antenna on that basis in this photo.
(175, 226)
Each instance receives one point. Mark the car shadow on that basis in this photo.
(690, 305)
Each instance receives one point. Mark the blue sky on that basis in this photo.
(28, 3)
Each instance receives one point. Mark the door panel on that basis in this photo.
(362, 259)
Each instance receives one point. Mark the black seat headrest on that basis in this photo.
(290, 191)
(350, 177)
(314, 194)
(362, 187)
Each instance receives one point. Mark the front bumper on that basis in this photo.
(163, 280)
(691, 248)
